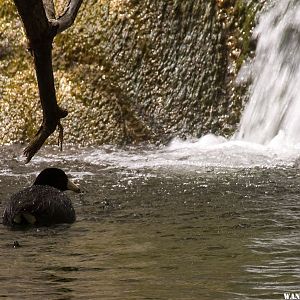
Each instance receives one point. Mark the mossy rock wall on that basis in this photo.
(131, 71)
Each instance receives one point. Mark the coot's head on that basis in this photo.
(56, 178)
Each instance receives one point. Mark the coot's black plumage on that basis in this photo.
(44, 203)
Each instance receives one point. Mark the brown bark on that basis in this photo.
(41, 26)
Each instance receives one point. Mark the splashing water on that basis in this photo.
(269, 133)
(273, 112)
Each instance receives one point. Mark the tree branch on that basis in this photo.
(49, 9)
(67, 19)
(41, 26)
(34, 18)
(52, 113)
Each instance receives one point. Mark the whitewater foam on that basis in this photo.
(269, 133)
(206, 152)
(273, 111)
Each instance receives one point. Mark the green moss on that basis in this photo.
(246, 13)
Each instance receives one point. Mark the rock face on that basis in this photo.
(131, 71)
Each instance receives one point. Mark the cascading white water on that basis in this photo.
(270, 127)
(273, 111)
(269, 134)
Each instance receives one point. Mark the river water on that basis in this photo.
(197, 219)
(163, 223)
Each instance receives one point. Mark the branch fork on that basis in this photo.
(41, 26)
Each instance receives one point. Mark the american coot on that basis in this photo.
(44, 203)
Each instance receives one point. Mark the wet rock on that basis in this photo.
(130, 71)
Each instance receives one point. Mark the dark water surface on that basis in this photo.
(156, 232)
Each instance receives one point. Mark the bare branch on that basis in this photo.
(68, 17)
(37, 142)
(49, 9)
(41, 26)
(44, 132)
(34, 18)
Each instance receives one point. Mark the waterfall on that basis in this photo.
(273, 111)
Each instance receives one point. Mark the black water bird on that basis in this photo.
(44, 203)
